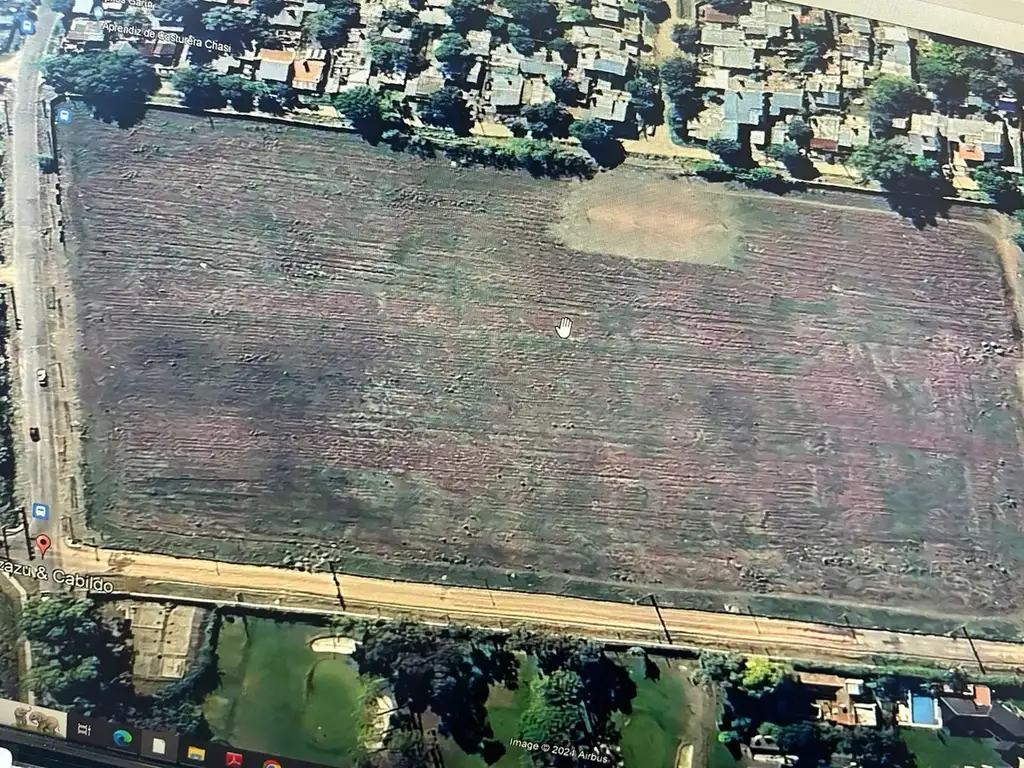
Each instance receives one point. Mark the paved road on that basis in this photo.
(161, 574)
(37, 465)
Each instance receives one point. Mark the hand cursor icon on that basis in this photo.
(564, 328)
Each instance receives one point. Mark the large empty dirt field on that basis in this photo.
(292, 342)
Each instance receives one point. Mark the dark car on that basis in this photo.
(34, 434)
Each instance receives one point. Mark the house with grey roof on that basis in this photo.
(733, 58)
(785, 101)
(506, 91)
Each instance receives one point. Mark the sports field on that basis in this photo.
(298, 346)
(279, 696)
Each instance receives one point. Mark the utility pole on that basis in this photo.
(337, 584)
(28, 537)
(657, 609)
(970, 641)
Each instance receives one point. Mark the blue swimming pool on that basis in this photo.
(922, 710)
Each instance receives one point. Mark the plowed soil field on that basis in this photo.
(294, 345)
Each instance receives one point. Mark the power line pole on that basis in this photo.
(28, 538)
(337, 584)
(657, 610)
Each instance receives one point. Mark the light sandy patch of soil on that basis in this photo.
(346, 646)
(383, 707)
(659, 219)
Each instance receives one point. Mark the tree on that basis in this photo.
(592, 133)
(186, 12)
(656, 11)
(576, 14)
(565, 90)
(941, 68)
(686, 36)
(449, 671)
(362, 107)
(447, 107)
(532, 13)
(645, 100)
(78, 660)
(877, 748)
(887, 688)
(889, 164)
(730, 150)
(718, 669)
(810, 56)
(547, 119)
(891, 97)
(812, 743)
(199, 88)
(1001, 185)
(238, 26)
(267, 8)
(679, 77)
(390, 55)
(330, 26)
(800, 132)
(735, 7)
(956, 678)
(761, 676)
(521, 39)
(554, 714)
(467, 15)
(794, 158)
(115, 85)
(275, 98)
(451, 49)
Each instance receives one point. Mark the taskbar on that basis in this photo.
(33, 732)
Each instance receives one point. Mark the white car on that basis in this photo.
(42, 377)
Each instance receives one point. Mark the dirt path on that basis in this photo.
(161, 574)
(1009, 257)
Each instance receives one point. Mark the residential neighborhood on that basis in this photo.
(760, 70)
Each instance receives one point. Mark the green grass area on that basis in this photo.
(719, 756)
(651, 734)
(935, 751)
(279, 696)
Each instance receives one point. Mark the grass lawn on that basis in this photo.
(650, 735)
(950, 751)
(278, 696)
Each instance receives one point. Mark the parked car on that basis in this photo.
(34, 434)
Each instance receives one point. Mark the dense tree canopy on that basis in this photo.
(686, 36)
(646, 101)
(330, 26)
(237, 26)
(185, 12)
(467, 15)
(547, 119)
(451, 50)
(565, 90)
(447, 108)
(116, 85)
(891, 97)
(361, 105)
(953, 70)
(1001, 185)
(390, 55)
(893, 167)
(200, 87)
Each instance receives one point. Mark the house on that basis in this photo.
(722, 37)
(538, 64)
(289, 18)
(479, 42)
(159, 51)
(733, 58)
(744, 107)
(308, 73)
(853, 133)
(506, 91)
(919, 710)
(275, 66)
(841, 700)
(975, 714)
(975, 140)
(611, 105)
(826, 132)
(604, 62)
(86, 35)
(426, 83)
(82, 7)
(785, 101)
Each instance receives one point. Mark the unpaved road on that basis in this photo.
(161, 574)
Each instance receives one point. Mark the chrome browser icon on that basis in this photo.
(271, 764)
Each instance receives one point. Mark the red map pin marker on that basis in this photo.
(42, 544)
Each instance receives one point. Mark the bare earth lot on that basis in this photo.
(292, 342)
